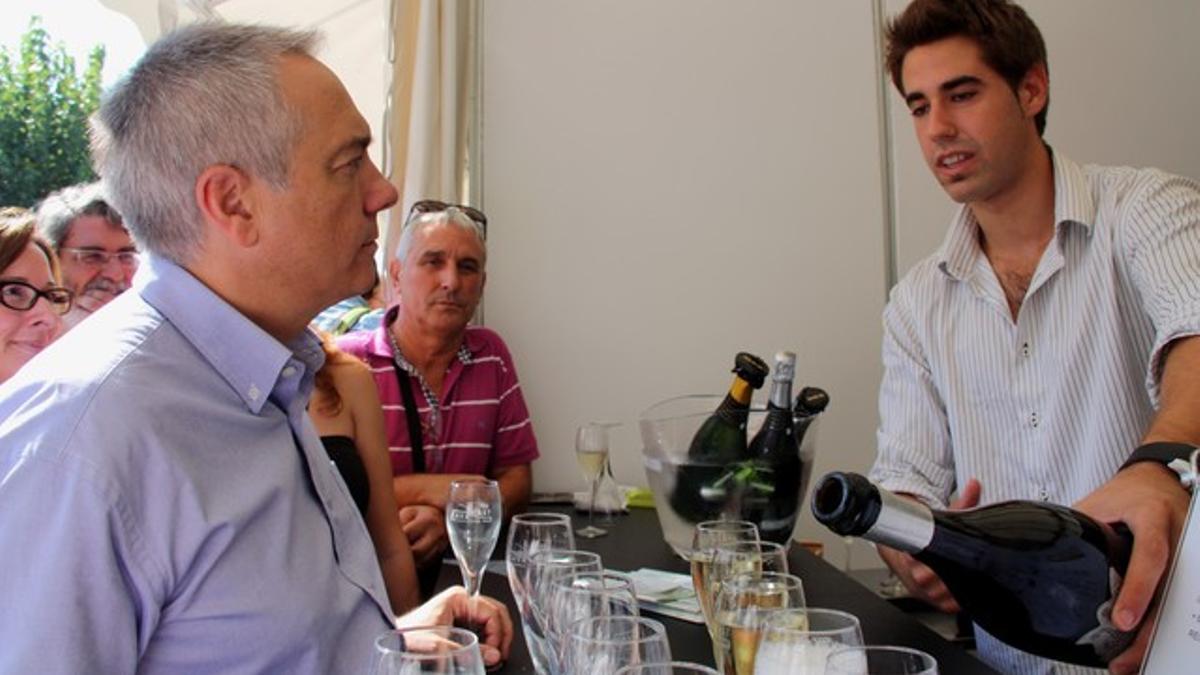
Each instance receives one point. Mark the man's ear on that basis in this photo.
(1034, 90)
(393, 272)
(226, 200)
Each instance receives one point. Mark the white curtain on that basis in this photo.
(432, 116)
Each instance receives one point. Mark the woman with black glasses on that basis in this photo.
(31, 300)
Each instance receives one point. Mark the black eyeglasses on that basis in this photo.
(434, 206)
(22, 296)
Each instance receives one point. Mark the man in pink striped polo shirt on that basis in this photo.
(470, 414)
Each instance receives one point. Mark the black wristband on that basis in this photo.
(1163, 452)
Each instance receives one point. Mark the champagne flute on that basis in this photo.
(672, 668)
(473, 518)
(706, 538)
(880, 660)
(603, 644)
(441, 650)
(742, 605)
(591, 450)
(798, 641)
(528, 535)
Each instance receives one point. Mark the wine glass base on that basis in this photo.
(590, 532)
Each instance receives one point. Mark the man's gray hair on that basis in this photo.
(203, 95)
(452, 216)
(58, 211)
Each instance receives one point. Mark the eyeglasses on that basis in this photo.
(434, 206)
(96, 257)
(22, 296)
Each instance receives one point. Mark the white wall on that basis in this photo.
(669, 182)
(1124, 89)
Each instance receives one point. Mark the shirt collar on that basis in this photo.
(381, 343)
(245, 355)
(1073, 203)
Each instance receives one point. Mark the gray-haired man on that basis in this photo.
(165, 504)
(97, 254)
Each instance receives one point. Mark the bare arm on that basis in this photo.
(1147, 497)
(391, 545)
(516, 486)
(432, 489)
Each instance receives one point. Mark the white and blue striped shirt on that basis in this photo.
(1049, 406)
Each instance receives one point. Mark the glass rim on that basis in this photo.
(463, 639)
(656, 629)
(568, 580)
(783, 578)
(925, 657)
(769, 624)
(635, 668)
(541, 518)
(587, 556)
(747, 543)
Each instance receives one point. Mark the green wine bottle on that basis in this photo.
(720, 441)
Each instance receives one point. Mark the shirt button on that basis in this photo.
(1043, 495)
(1025, 350)
(1033, 420)
(253, 393)
(289, 371)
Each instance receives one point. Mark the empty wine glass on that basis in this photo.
(706, 538)
(672, 668)
(591, 451)
(544, 568)
(473, 518)
(587, 594)
(741, 608)
(528, 535)
(880, 660)
(604, 644)
(798, 641)
(440, 650)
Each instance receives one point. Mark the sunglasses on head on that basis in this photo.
(434, 206)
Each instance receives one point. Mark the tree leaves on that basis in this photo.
(44, 110)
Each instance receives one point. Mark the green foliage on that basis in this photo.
(44, 110)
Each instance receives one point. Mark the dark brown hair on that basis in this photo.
(17, 231)
(1009, 40)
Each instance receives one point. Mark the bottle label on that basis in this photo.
(1106, 639)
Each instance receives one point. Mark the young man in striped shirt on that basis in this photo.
(470, 417)
(1053, 331)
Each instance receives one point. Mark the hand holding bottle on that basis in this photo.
(1147, 498)
(921, 581)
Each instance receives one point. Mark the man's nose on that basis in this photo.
(113, 269)
(940, 123)
(381, 194)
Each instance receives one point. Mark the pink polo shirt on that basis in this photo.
(483, 423)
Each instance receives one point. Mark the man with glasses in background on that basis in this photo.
(451, 399)
(97, 254)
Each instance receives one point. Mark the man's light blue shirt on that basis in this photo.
(166, 506)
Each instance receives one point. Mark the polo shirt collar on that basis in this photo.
(381, 343)
(245, 355)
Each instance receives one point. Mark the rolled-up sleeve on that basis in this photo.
(1162, 253)
(915, 454)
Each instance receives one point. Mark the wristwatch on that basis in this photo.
(1178, 457)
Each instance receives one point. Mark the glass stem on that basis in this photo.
(592, 510)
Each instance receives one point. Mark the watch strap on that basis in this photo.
(1163, 452)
